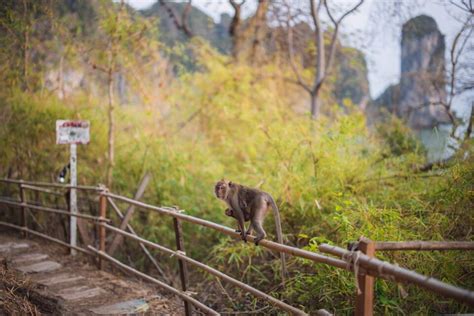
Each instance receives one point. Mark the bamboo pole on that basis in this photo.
(391, 272)
(40, 189)
(24, 218)
(129, 212)
(183, 269)
(424, 245)
(52, 185)
(52, 210)
(183, 295)
(365, 299)
(231, 232)
(182, 256)
(132, 231)
(100, 228)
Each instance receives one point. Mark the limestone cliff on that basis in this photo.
(417, 97)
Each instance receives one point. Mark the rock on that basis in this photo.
(61, 278)
(422, 74)
(29, 257)
(128, 307)
(417, 97)
(45, 266)
(80, 292)
(9, 246)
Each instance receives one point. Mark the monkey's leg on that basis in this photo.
(260, 232)
(239, 216)
(250, 230)
(241, 223)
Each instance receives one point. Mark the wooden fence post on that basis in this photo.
(365, 300)
(183, 270)
(100, 228)
(24, 218)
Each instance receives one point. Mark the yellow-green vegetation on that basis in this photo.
(334, 179)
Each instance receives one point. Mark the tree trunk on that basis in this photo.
(260, 20)
(62, 94)
(315, 105)
(111, 153)
(26, 44)
(235, 29)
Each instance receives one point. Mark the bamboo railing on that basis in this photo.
(367, 267)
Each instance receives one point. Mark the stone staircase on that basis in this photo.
(67, 284)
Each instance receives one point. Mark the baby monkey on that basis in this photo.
(249, 204)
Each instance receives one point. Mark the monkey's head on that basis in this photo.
(222, 189)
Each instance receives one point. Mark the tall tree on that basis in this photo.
(259, 21)
(235, 28)
(323, 64)
(120, 42)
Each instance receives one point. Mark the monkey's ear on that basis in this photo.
(230, 183)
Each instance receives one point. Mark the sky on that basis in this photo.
(377, 36)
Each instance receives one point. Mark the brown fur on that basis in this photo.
(249, 204)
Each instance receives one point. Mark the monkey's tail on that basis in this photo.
(279, 233)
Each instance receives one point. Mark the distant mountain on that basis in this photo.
(199, 22)
(416, 98)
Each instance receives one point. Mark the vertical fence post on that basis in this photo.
(365, 300)
(183, 270)
(24, 218)
(101, 228)
(73, 198)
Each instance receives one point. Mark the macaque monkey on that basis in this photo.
(248, 204)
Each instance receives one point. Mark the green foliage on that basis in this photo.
(333, 179)
(398, 136)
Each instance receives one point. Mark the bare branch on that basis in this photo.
(337, 23)
(455, 54)
(291, 54)
(319, 40)
(181, 24)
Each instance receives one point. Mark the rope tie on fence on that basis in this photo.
(352, 258)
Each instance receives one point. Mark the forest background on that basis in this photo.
(255, 103)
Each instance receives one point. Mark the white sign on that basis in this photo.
(72, 132)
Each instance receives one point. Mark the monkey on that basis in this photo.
(249, 204)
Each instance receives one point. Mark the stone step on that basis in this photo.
(29, 257)
(10, 246)
(60, 278)
(128, 307)
(80, 292)
(44, 266)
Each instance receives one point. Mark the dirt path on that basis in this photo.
(62, 284)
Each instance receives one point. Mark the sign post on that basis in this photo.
(73, 133)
